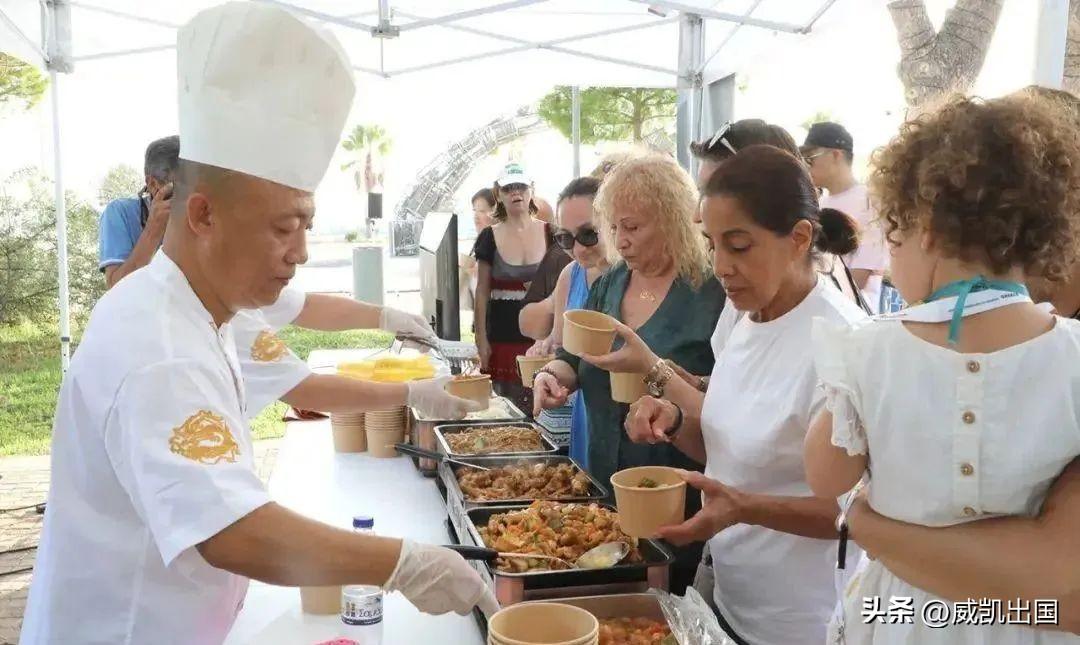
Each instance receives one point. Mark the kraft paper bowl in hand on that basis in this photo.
(627, 387)
(648, 497)
(549, 623)
(528, 366)
(474, 388)
(587, 332)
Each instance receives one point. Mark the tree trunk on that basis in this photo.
(936, 64)
(639, 118)
(1072, 50)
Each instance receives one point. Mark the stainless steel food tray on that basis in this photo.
(448, 472)
(441, 432)
(421, 430)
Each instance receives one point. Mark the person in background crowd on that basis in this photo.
(975, 198)
(828, 150)
(537, 319)
(131, 228)
(663, 290)
(483, 207)
(508, 254)
(772, 541)
(732, 137)
(544, 212)
(578, 234)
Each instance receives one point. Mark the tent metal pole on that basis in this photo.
(123, 14)
(61, 226)
(472, 13)
(122, 52)
(575, 127)
(1050, 43)
(687, 119)
(23, 37)
(687, 9)
(325, 17)
(731, 34)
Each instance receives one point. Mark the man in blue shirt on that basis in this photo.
(131, 228)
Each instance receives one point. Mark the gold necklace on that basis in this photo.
(645, 294)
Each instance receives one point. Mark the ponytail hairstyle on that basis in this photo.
(775, 189)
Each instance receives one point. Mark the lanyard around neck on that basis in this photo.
(955, 300)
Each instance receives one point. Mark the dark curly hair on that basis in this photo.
(998, 182)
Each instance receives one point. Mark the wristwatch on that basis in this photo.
(657, 378)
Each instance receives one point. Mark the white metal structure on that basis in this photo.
(609, 42)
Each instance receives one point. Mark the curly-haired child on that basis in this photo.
(965, 405)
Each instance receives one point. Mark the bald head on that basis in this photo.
(245, 235)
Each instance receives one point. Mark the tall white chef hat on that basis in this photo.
(262, 92)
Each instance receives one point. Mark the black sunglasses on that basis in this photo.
(586, 236)
(514, 188)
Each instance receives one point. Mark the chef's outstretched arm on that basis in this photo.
(277, 546)
(326, 312)
(341, 394)
(1004, 558)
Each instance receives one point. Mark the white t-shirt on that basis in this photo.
(871, 253)
(151, 456)
(772, 587)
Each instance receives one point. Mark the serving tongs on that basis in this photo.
(603, 556)
(408, 449)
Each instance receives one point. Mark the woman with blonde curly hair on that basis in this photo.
(660, 287)
(978, 412)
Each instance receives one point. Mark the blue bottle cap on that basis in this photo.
(363, 522)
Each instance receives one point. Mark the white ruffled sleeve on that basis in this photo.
(832, 350)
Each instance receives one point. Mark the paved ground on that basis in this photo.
(25, 482)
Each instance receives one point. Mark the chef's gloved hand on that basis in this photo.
(430, 397)
(396, 321)
(437, 581)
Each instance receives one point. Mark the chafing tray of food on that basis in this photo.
(637, 607)
(589, 488)
(421, 429)
(542, 446)
(651, 570)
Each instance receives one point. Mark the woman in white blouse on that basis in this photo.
(977, 412)
(773, 543)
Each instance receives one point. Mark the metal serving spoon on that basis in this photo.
(603, 556)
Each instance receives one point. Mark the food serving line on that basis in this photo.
(422, 499)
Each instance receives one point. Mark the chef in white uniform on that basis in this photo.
(155, 517)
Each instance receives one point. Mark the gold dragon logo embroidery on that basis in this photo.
(204, 438)
(267, 347)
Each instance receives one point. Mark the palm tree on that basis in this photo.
(366, 142)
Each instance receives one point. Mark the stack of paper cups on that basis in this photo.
(348, 430)
(384, 429)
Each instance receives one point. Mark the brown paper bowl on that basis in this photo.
(348, 433)
(549, 623)
(380, 443)
(643, 510)
(587, 332)
(627, 387)
(528, 366)
(320, 600)
(473, 388)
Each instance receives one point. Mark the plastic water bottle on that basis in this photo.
(362, 605)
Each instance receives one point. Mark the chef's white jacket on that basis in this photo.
(151, 456)
(269, 369)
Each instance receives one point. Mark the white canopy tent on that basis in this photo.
(692, 45)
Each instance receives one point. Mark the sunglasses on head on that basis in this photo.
(586, 236)
(721, 138)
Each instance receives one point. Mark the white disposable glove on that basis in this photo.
(430, 397)
(437, 580)
(396, 321)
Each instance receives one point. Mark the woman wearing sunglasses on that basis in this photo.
(578, 236)
(508, 254)
(663, 289)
